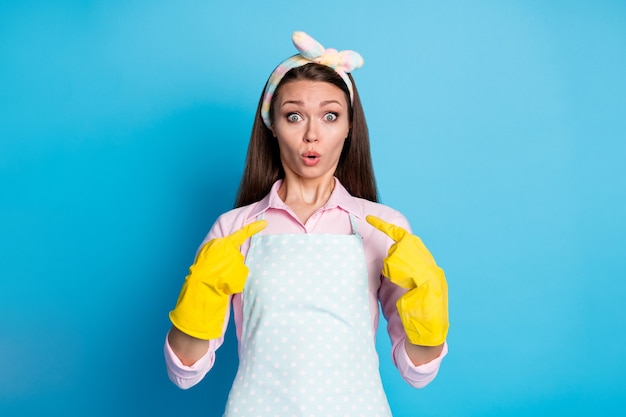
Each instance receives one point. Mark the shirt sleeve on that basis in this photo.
(187, 376)
(418, 376)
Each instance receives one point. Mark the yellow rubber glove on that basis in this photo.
(218, 271)
(424, 308)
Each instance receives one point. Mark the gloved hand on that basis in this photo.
(218, 271)
(424, 308)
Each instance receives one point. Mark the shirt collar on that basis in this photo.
(340, 197)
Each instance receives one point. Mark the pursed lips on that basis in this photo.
(311, 158)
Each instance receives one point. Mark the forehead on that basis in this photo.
(307, 90)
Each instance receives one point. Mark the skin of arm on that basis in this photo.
(188, 349)
(421, 355)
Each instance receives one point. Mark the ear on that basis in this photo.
(273, 131)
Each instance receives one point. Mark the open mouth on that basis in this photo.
(311, 158)
(311, 155)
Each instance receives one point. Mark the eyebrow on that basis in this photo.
(300, 103)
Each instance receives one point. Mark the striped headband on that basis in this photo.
(310, 50)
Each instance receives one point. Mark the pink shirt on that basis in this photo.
(333, 217)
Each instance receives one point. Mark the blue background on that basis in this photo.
(498, 128)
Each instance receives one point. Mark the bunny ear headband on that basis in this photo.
(311, 50)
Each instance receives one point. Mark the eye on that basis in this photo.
(293, 117)
(330, 117)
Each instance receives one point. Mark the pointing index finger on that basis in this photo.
(247, 231)
(394, 232)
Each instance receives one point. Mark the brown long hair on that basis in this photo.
(263, 166)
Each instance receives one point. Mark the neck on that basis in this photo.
(305, 197)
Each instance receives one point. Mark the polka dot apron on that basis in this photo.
(307, 347)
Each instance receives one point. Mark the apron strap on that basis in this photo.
(355, 227)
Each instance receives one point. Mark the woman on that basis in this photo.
(320, 254)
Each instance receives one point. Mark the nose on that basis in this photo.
(311, 134)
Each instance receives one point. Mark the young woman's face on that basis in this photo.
(311, 123)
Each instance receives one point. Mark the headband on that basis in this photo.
(310, 50)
